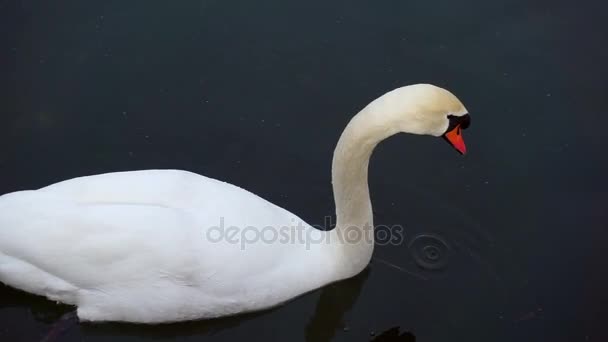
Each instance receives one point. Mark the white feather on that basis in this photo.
(141, 246)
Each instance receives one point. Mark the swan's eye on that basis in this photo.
(453, 122)
(462, 121)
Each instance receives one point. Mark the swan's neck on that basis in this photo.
(353, 235)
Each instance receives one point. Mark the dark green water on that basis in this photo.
(256, 93)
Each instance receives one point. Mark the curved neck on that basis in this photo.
(354, 234)
(418, 109)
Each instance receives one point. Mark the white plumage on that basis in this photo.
(144, 246)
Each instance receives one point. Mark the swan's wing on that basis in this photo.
(92, 245)
(214, 202)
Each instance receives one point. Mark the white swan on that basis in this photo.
(145, 246)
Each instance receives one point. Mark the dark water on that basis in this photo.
(257, 92)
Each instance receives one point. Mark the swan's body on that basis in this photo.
(136, 246)
(145, 246)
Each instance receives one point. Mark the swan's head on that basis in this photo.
(425, 109)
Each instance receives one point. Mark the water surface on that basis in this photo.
(257, 92)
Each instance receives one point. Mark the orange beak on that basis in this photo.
(454, 137)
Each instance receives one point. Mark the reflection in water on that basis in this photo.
(42, 310)
(171, 330)
(335, 300)
(393, 335)
(65, 323)
(50, 313)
